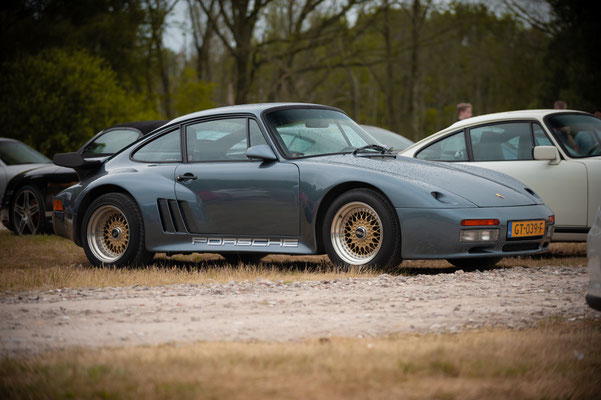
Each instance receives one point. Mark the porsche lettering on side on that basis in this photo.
(289, 178)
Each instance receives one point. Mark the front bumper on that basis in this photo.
(435, 233)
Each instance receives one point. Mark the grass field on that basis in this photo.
(555, 360)
(49, 262)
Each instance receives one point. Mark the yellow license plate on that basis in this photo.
(518, 229)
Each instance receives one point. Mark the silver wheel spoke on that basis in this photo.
(31, 225)
(21, 225)
(34, 209)
(19, 210)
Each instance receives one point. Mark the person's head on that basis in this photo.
(560, 105)
(464, 110)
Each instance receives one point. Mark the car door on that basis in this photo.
(508, 148)
(223, 192)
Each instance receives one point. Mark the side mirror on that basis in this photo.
(261, 151)
(547, 153)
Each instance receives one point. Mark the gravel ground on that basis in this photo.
(31, 322)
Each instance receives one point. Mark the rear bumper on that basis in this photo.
(435, 233)
(62, 223)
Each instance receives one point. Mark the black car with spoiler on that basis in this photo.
(28, 200)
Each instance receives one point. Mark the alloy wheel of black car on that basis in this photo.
(113, 232)
(28, 212)
(471, 263)
(241, 257)
(361, 228)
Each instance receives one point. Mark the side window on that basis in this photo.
(510, 141)
(165, 148)
(451, 148)
(256, 137)
(540, 138)
(112, 141)
(220, 140)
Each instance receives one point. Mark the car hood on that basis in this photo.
(482, 187)
(51, 170)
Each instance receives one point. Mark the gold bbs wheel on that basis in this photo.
(356, 233)
(108, 233)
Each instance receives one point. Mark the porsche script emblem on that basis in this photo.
(498, 195)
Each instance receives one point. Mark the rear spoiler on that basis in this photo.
(82, 166)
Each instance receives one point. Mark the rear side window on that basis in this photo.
(112, 141)
(451, 148)
(165, 148)
(510, 141)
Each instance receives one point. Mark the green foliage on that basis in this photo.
(58, 99)
(192, 95)
(573, 59)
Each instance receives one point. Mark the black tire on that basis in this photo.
(112, 232)
(474, 263)
(361, 228)
(28, 212)
(244, 258)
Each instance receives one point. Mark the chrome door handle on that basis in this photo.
(186, 177)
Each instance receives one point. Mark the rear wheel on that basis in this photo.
(113, 232)
(472, 263)
(361, 228)
(28, 214)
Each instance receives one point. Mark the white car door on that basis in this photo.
(507, 148)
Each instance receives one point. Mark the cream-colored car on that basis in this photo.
(555, 154)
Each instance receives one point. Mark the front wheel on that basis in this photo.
(361, 228)
(113, 232)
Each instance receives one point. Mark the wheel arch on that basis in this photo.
(87, 201)
(329, 198)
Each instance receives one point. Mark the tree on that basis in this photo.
(58, 99)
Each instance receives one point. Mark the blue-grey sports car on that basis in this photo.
(245, 181)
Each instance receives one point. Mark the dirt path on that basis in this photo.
(264, 310)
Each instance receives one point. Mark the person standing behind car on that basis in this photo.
(464, 110)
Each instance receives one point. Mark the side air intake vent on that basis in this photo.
(171, 216)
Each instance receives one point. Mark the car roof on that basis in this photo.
(245, 108)
(143, 126)
(520, 114)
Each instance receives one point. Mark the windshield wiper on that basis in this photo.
(380, 150)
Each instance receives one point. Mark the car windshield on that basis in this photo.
(310, 132)
(579, 134)
(15, 153)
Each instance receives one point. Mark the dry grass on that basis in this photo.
(50, 262)
(558, 360)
